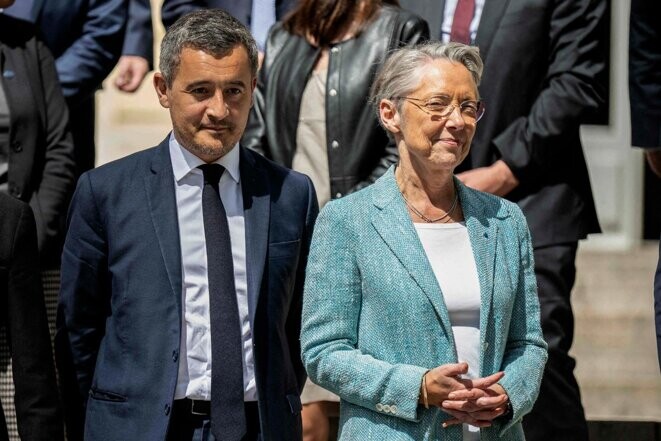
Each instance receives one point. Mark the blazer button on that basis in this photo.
(332, 92)
(16, 146)
(393, 409)
(386, 408)
(175, 355)
(166, 409)
(335, 144)
(379, 407)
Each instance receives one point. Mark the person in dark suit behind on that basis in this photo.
(183, 266)
(257, 15)
(138, 50)
(544, 64)
(85, 37)
(24, 316)
(645, 100)
(36, 151)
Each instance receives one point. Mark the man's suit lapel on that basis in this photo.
(159, 186)
(393, 224)
(483, 236)
(256, 211)
(489, 22)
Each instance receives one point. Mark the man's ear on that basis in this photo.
(161, 87)
(389, 115)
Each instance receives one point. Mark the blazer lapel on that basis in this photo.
(395, 227)
(256, 211)
(159, 185)
(483, 235)
(491, 15)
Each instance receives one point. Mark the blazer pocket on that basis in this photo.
(280, 250)
(294, 403)
(103, 395)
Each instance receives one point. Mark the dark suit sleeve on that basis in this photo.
(89, 60)
(173, 9)
(645, 73)
(139, 37)
(37, 407)
(84, 301)
(57, 178)
(572, 88)
(293, 326)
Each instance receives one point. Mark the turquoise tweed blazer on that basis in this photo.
(374, 319)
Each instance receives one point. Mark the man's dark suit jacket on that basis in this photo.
(120, 306)
(543, 62)
(23, 313)
(645, 99)
(40, 150)
(241, 10)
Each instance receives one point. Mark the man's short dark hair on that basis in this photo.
(213, 31)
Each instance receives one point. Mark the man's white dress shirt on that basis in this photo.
(194, 379)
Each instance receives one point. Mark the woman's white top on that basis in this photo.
(451, 257)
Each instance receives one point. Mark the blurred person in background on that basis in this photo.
(23, 314)
(544, 75)
(645, 100)
(138, 51)
(85, 37)
(420, 307)
(37, 167)
(311, 112)
(256, 15)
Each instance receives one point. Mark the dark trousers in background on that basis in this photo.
(558, 414)
(82, 116)
(187, 427)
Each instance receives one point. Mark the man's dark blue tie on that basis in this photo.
(228, 420)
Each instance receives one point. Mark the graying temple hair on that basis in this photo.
(213, 31)
(400, 73)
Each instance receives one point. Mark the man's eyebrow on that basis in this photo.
(197, 84)
(236, 83)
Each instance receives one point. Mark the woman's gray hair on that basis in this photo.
(213, 31)
(400, 73)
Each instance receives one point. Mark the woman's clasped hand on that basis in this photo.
(476, 401)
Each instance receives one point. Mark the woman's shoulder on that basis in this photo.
(487, 204)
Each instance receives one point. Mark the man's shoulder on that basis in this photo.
(135, 162)
(275, 172)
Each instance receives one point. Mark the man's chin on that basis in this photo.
(210, 150)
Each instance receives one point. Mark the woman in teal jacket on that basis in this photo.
(420, 307)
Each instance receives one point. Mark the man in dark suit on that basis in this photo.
(645, 100)
(24, 316)
(183, 265)
(85, 37)
(543, 62)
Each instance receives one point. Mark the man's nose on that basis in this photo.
(217, 107)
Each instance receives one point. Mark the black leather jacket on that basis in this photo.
(359, 150)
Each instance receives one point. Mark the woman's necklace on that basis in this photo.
(425, 218)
